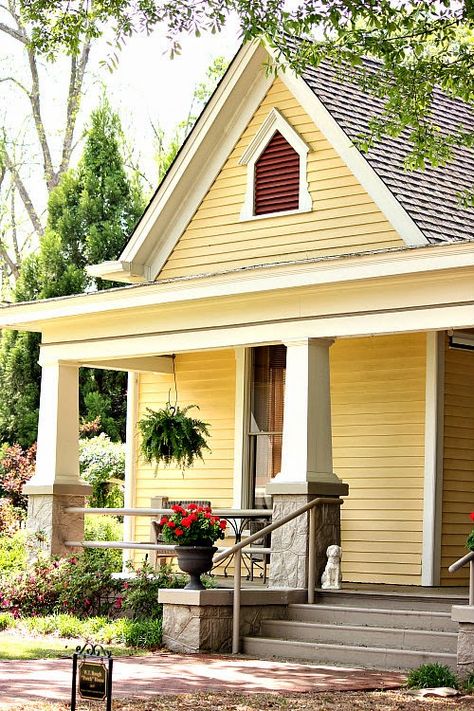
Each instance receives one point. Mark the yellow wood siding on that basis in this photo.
(344, 218)
(458, 477)
(378, 404)
(206, 379)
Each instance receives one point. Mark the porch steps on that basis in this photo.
(372, 630)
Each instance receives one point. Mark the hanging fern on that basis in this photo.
(170, 436)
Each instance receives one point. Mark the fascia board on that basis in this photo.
(357, 268)
(199, 162)
(395, 213)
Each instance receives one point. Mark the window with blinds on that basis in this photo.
(277, 177)
(266, 417)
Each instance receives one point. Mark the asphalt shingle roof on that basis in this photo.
(431, 196)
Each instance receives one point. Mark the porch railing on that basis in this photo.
(235, 550)
(466, 559)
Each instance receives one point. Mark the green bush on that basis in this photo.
(140, 593)
(104, 528)
(142, 633)
(428, 676)
(6, 620)
(468, 684)
(13, 551)
(102, 465)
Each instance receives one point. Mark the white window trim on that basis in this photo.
(273, 123)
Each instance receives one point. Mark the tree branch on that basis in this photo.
(23, 192)
(76, 80)
(13, 33)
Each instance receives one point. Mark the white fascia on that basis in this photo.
(273, 123)
(117, 271)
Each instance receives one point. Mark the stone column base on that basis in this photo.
(464, 614)
(289, 559)
(48, 523)
(201, 620)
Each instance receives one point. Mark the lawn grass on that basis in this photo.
(14, 646)
(323, 701)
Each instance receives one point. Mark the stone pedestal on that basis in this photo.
(464, 614)
(201, 620)
(290, 543)
(47, 519)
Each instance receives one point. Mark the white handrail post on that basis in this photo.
(312, 555)
(236, 605)
(471, 582)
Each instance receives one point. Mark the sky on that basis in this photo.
(148, 86)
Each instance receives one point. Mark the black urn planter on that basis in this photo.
(195, 560)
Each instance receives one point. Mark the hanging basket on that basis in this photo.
(171, 436)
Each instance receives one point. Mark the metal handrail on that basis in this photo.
(460, 563)
(237, 551)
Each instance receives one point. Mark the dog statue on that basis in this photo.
(331, 578)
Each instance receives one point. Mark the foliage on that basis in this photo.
(105, 528)
(170, 436)
(142, 633)
(140, 593)
(102, 465)
(13, 550)
(429, 676)
(17, 466)
(470, 538)
(10, 518)
(420, 45)
(468, 684)
(91, 212)
(192, 525)
(81, 585)
(6, 620)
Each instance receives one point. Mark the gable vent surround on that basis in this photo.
(276, 161)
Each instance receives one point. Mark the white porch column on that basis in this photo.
(307, 466)
(56, 483)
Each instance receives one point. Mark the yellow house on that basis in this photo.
(319, 303)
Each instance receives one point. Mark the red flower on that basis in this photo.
(178, 509)
(192, 507)
(163, 520)
(186, 522)
(171, 524)
(471, 515)
(223, 524)
(179, 531)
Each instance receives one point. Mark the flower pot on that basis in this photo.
(195, 560)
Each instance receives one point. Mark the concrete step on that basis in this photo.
(372, 617)
(389, 600)
(346, 655)
(363, 636)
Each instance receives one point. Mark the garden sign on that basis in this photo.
(92, 674)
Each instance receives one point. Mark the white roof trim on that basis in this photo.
(207, 148)
(274, 122)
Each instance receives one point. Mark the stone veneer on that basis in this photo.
(201, 620)
(464, 614)
(288, 567)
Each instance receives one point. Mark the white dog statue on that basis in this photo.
(331, 578)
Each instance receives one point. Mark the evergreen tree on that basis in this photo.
(90, 216)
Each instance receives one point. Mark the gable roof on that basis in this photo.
(422, 206)
(429, 196)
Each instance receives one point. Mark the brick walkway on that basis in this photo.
(164, 673)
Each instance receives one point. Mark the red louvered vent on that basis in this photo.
(277, 177)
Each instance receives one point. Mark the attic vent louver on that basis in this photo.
(277, 177)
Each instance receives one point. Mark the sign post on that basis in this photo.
(92, 674)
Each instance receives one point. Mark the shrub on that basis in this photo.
(142, 633)
(102, 464)
(10, 517)
(13, 552)
(140, 593)
(104, 528)
(468, 684)
(428, 676)
(6, 620)
(17, 466)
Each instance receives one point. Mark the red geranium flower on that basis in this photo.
(223, 524)
(192, 507)
(471, 515)
(179, 531)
